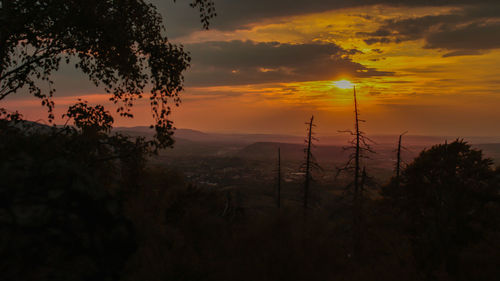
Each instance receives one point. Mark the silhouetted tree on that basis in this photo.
(278, 199)
(90, 119)
(61, 192)
(118, 44)
(446, 196)
(360, 145)
(398, 158)
(310, 162)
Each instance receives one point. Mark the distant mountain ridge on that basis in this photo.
(182, 135)
(341, 139)
(259, 146)
(198, 136)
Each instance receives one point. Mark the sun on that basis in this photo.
(343, 84)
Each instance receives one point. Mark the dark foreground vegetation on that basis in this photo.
(78, 203)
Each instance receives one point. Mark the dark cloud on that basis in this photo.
(378, 33)
(371, 41)
(465, 31)
(472, 26)
(248, 62)
(412, 28)
(233, 14)
(462, 53)
(469, 38)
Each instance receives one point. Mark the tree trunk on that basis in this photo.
(278, 200)
(357, 150)
(398, 162)
(308, 165)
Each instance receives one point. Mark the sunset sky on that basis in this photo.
(427, 67)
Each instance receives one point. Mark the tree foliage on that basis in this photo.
(61, 199)
(119, 45)
(90, 118)
(446, 196)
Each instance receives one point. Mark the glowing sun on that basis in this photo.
(343, 84)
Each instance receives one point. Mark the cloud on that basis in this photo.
(469, 38)
(182, 20)
(463, 31)
(462, 53)
(247, 62)
(471, 25)
(372, 41)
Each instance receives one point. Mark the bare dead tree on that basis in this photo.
(360, 147)
(357, 147)
(278, 199)
(398, 161)
(310, 162)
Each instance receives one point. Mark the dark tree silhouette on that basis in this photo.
(357, 148)
(278, 191)
(446, 197)
(398, 158)
(360, 145)
(120, 45)
(310, 162)
(89, 118)
(61, 192)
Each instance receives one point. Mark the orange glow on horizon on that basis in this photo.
(419, 88)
